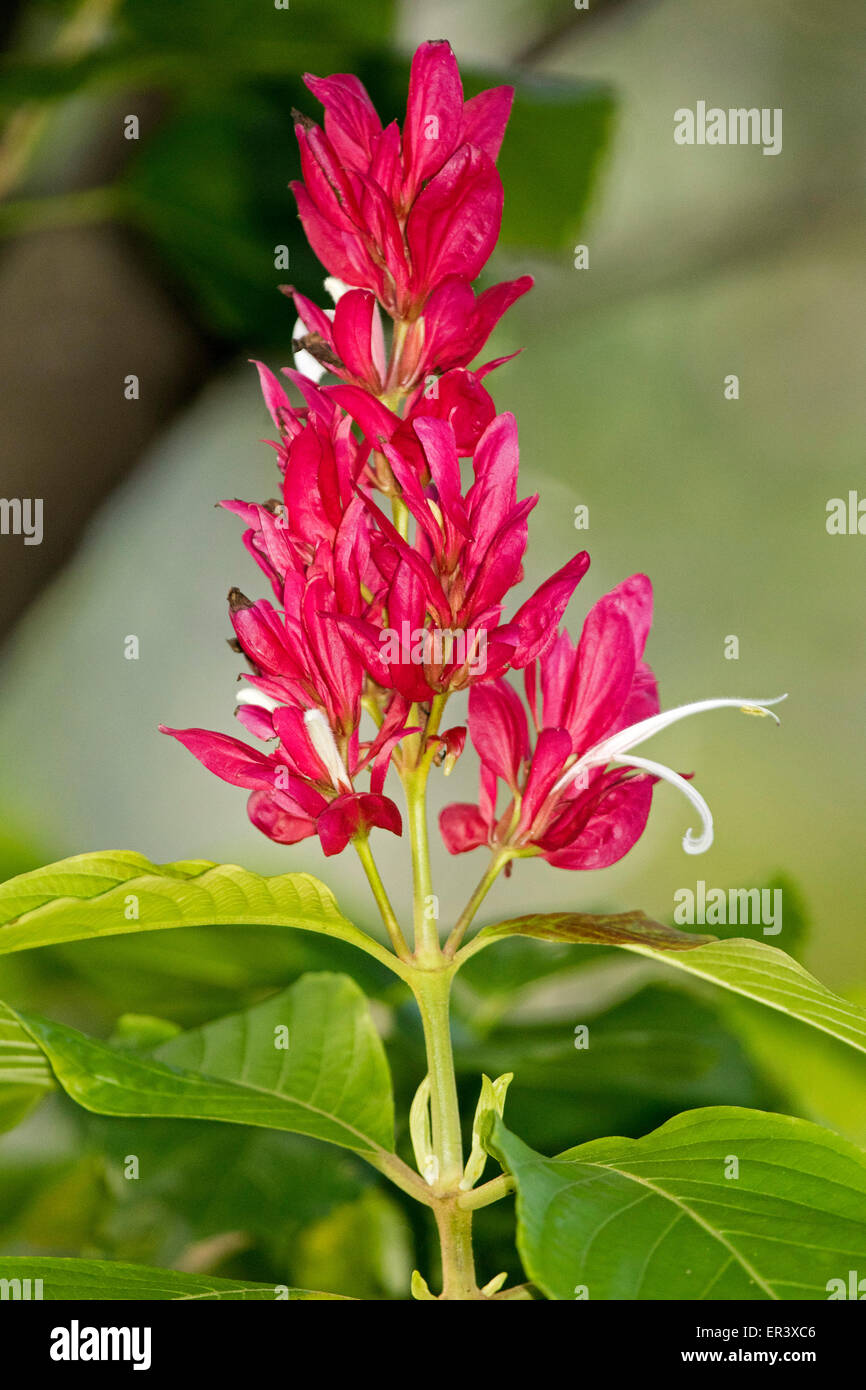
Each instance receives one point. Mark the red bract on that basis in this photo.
(318, 525)
(348, 342)
(411, 218)
(458, 397)
(307, 682)
(455, 325)
(436, 625)
(305, 787)
(581, 797)
(392, 611)
(587, 693)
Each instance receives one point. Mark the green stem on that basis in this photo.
(389, 917)
(498, 861)
(427, 949)
(432, 992)
(418, 756)
(458, 1262)
(393, 393)
(487, 1194)
(400, 516)
(401, 1175)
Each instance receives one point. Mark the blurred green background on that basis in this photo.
(156, 257)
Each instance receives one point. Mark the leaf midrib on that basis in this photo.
(205, 1077)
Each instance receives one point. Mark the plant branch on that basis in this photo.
(432, 993)
(383, 902)
(498, 861)
(427, 949)
(401, 1175)
(487, 1194)
(458, 1262)
(416, 769)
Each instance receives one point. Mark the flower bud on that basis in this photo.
(492, 1098)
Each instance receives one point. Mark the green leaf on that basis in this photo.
(331, 1081)
(268, 1184)
(766, 974)
(226, 27)
(65, 1209)
(546, 196)
(660, 1042)
(586, 928)
(750, 968)
(140, 1032)
(663, 1218)
(191, 975)
(111, 893)
(154, 43)
(363, 1246)
(25, 1076)
(105, 1279)
(208, 189)
(645, 1057)
(816, 1075)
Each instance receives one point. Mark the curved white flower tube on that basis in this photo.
(249, 695)
(322, 738)
(614, 749)
(692, 844)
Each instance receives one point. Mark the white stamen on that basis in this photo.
(645, 728)
(250, 696)
(323, 741)
(692, 844)
(613, 750)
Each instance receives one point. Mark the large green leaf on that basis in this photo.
(25, 1076)
(718, 1204)
(547, 196)
(229, 29)
(105, 1279)
(190, 975)
(331, 1081)
(826, 1083)
(646, 1057)
(750, 968)
(768, 975)
(267, 1184)
(591, 929)
(108, 894)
